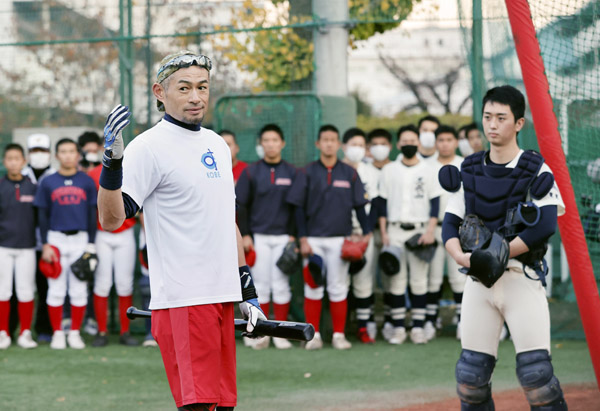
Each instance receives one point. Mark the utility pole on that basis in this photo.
(331, 47)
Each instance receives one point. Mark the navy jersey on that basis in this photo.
(262, 189)
(17, 222)
(328, 196)
(67, 200)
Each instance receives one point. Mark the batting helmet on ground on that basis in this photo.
(51, 270)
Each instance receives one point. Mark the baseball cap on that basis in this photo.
(314, 271)
(51, 270)
(38, 140)
(173, 62)
(389, 259)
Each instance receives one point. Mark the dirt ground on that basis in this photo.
(584, 397)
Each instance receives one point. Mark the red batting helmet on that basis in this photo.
(51, 270)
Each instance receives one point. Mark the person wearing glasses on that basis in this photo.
(181, 173)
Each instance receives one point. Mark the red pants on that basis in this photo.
(197, 344)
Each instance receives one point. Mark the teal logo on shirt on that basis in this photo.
(208, 160)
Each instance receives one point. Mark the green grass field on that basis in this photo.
(375, 377)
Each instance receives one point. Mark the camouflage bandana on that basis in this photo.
(173, 62)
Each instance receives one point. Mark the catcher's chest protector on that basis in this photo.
(491, 191)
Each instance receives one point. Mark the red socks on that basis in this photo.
(312, 312)
(266, 308)
(124, 304)
(77, 314)
(55, 315)
(338, 315)
(281, 311)
(4, 315)
(101, 310)
(25, 314)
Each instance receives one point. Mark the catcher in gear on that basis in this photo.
(513, 194)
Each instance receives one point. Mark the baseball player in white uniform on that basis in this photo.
(181, 174)
(411, 192)
(446, 142)
(363, 281)
(513, 193)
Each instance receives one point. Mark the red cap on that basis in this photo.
(51, 270)
(250, 257)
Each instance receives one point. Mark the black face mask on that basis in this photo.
(408, 151)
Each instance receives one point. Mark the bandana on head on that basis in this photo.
(173, 62)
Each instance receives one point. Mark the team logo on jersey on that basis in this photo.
(420, 188)
(282, 181)
(69, 195)
(68, 182)
(208, 160)
(341, 183)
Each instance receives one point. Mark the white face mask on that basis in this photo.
(380, 152)
(427, 139)
(464, 147)
(355, 153)
(39, 160)
(260, 151)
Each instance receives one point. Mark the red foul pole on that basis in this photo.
(546, 129)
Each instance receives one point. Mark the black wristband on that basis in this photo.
(247, 283)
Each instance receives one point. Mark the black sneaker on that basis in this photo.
(127, 339)
(101, 340)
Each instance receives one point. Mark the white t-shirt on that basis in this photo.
(456, 202)
(408, 191)
(456, 161)
(184, 182)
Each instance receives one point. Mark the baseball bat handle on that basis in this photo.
(281, 329)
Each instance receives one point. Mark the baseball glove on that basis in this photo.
(489, 263)
(289, 261)
(473, 234)
(353, 251)
(85, 266)
(424, 252)
(356, 266)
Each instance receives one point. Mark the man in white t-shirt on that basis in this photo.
(181, 174)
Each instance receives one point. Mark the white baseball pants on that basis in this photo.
(436, 269)
(20, 264)
(268, 278)
(514, 298)
(71, 247)
(116, 253)
(337, 278)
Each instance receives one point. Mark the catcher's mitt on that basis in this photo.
(85, 266)
(489, 263)
(289, 260)
(473, 234)
(353, 251)
(424, 252)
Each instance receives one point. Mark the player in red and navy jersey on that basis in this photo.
(324, 193)
(265, 221)
(116, 253)
(17, 246)
(66, 202)
(237, 165)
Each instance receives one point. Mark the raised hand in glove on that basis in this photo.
(116, 121)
